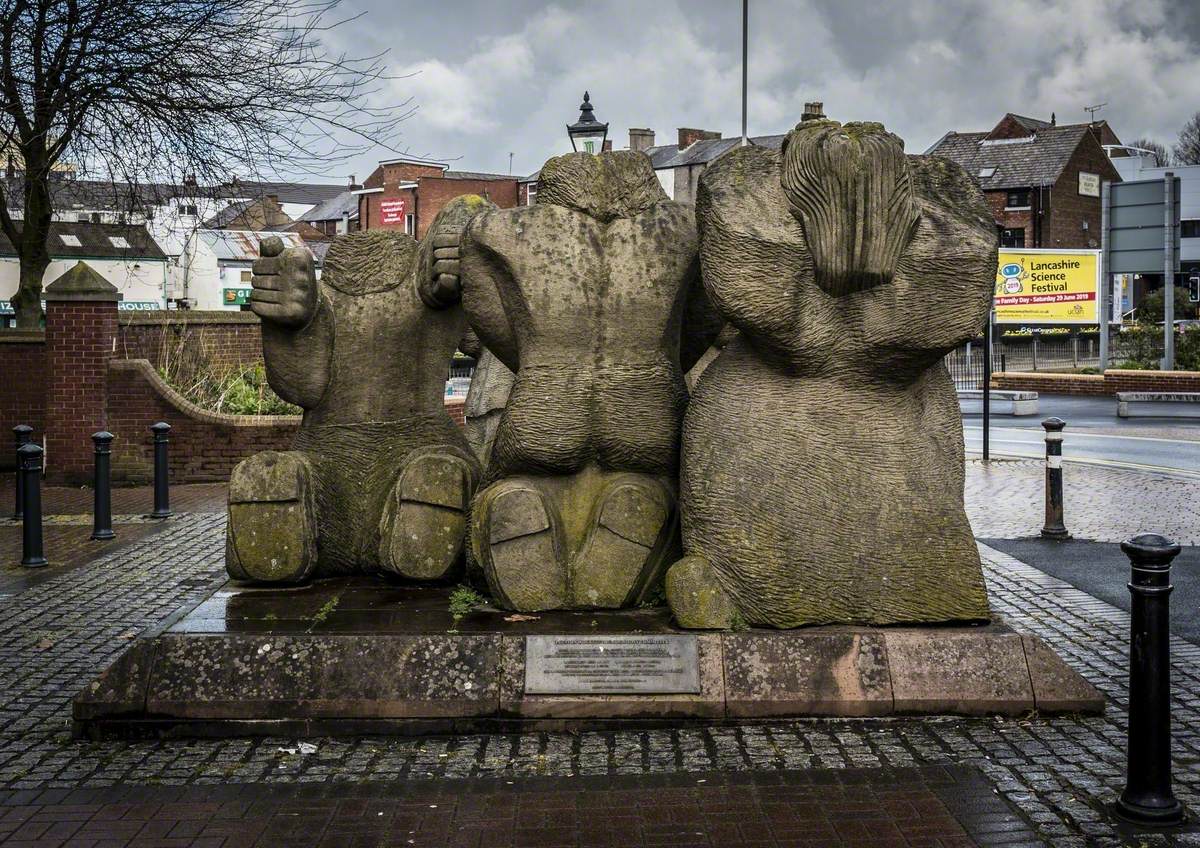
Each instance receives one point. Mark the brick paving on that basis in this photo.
(1057, 773)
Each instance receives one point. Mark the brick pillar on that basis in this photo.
(81, 328)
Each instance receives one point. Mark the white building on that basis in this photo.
(123, 254)
(215, 267)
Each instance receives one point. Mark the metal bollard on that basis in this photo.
(30, 460)
(1147, 797)
(23, 434)
(1054, 527)
(102, 493)
(162, 498)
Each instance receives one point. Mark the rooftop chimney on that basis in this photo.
(352, 184)
(688, 136)
(640, 139)
(813, 110)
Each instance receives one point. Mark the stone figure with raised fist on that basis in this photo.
(379, 478)
(822, 463)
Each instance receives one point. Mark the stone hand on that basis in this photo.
(284, 284)
(444, 284)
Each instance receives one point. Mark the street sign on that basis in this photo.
(1136, 236)
(1047, 287)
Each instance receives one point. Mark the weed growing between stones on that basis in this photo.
(464, 600)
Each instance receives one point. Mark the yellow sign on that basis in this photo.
(1047, 287)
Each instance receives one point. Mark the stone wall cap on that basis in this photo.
(82, 282)
(1168, 397)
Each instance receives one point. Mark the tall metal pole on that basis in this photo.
(1105, 276)
(1168, 363)
(987, 384)
(745, 65)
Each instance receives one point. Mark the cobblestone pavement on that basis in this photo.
(1005, 500)
(1060, 773)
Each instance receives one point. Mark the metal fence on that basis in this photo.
(966, 366)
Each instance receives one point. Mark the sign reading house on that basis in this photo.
(1047, 287)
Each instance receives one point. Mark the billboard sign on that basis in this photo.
(1047, 287)
(1137, 227)
(236, 297)
(392, 211)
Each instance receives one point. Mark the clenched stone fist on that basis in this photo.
(284, 284)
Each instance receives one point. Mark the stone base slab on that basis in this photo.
(352, 674)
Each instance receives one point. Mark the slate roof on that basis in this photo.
(475, 175)
(243, 245)
(332, 209)
(229, 214)
(705, 150)
(95, 242)
(1020, 162)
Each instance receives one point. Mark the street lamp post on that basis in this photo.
(587, 134)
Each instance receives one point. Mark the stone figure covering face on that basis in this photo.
(822, 463)
(587, 297)
(379, 478)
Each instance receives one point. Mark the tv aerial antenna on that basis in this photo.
(1092, 110)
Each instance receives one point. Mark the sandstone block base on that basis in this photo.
(353, 656)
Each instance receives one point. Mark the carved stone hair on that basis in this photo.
(368, 261)
(849, 188)
(617, 184)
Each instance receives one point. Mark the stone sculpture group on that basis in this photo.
(812, 475)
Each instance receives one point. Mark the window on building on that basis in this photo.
(1018, 198)
(1013, 237)
(119, 241)
(410, 223)
(186, 209)
(70, 240)
(246, 276)
(986, 173)
(96, 217)
(531, 195)
(1189, 229)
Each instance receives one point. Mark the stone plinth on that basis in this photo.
(349, 655)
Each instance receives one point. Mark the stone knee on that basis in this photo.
(425, 517)
(517, 541)
(271, 534)
(628, 542)
(696, 598)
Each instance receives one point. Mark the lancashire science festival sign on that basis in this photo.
(1048, 287)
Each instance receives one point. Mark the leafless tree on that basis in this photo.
(1161, 156)
(155, 91)
(1187, 149)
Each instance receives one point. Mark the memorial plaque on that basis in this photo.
(611, 665)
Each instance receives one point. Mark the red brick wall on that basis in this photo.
(1109, 383)
(1068, 208)
(1022, 218)
(228, 339)
(23, 398)
(433, 193)
(79, 344)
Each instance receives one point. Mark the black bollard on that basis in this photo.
(23, 434)
(30, 461)
(1054, 528)
(102, 503)
(162, 498)
(1147, 797)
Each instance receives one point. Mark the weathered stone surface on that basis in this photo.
(272, 676)
(709, 703)
(848, 271)
(592, 299)
(121, 689)
(696, 598)
(379, 477)
(806, 673)
(973, 672)
(1058, 688)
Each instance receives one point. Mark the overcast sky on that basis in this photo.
(490, 77)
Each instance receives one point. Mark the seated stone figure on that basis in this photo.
(587, 297)
(822, 462)
(379, 478)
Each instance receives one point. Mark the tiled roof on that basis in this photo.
(243, 245)
(1018, 163)
(229, 214)
(95, 241)
(475, 175)
(333, 209)
(705, 150)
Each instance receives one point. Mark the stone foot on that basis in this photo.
(627, 523)
(425, 517)
(271, 536)
(696, 598)
(516, 540)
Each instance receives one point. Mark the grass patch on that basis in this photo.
(463, 601)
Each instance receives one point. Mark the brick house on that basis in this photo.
(407, 194)
(1042, 179)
